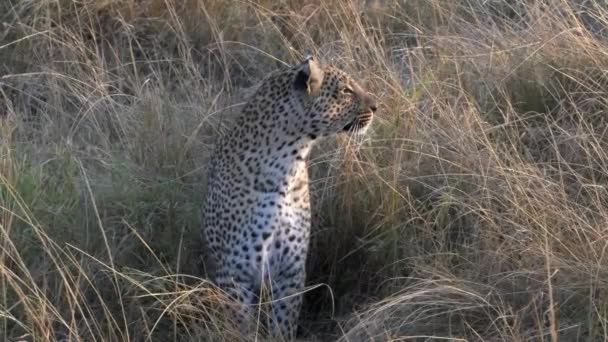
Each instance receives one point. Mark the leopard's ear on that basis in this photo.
(309, 76)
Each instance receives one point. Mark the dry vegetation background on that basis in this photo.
(475, 210)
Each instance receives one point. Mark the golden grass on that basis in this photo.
(476, 208)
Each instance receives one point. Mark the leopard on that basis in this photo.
(256, 224)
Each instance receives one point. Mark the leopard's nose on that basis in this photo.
(371, 104)
(368, 103)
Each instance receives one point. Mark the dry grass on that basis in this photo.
(475, 210)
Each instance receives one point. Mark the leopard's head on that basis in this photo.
(333, 102)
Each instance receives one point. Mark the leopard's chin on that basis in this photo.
(359, 123)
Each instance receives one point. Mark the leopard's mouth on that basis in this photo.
(361, 121)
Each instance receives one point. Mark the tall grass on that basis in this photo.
(476, 208)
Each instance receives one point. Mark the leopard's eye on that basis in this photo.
(347, 91)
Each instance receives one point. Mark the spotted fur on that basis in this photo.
(256, 215)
